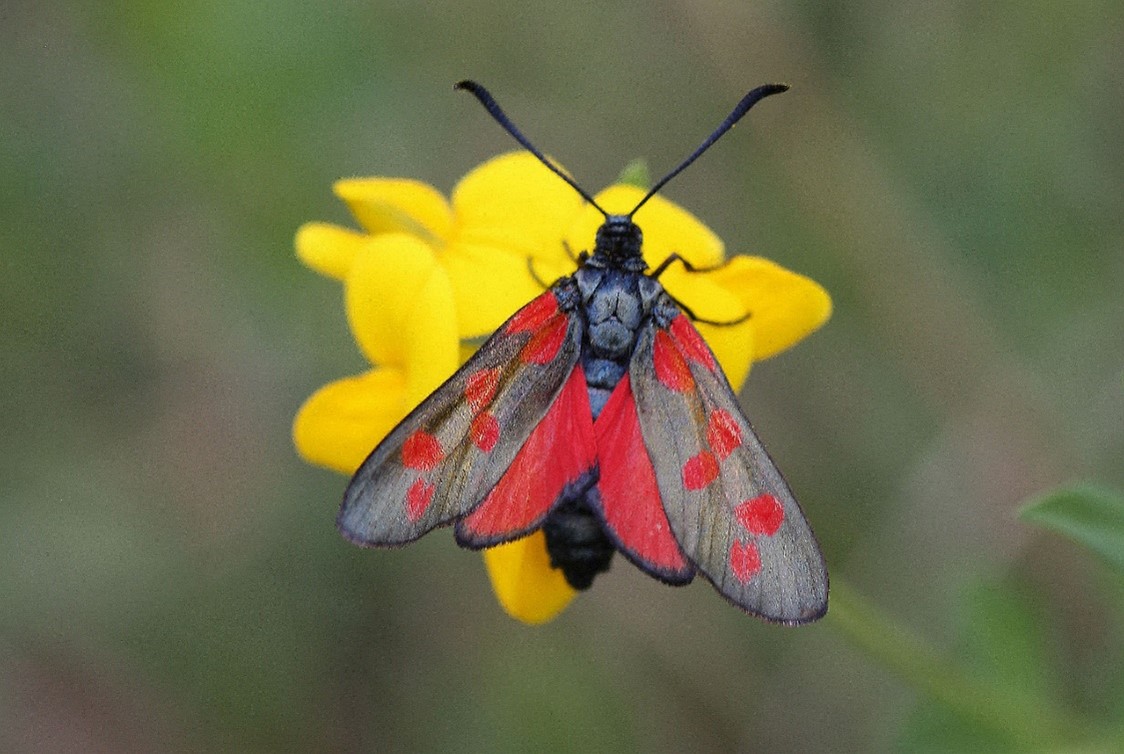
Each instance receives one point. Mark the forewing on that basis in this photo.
(729, 508)
(448, 454)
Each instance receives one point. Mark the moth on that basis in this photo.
(599, 414)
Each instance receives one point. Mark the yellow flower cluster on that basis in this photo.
(426, 276)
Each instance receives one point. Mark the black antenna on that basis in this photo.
(740, 109)
(493, 108)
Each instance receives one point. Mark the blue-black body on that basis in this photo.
(614, 297)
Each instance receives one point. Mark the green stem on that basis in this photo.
(1023, 717)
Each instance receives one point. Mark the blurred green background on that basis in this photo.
(170, 576)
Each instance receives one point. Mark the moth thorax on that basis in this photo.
(619, 240)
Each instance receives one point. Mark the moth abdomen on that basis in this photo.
(576, 541)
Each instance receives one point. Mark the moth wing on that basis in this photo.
(450, 452)
(628, 498)
(556, 461)
(729, 507)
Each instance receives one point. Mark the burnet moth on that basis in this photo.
(599, 414)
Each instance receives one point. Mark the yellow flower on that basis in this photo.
(427, 275)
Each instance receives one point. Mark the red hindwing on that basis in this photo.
(630, 498)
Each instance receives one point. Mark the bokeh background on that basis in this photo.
(170, 576)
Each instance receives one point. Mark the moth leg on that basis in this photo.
(578, 259)
(686, 309)
(535, 275)
(717, 323)
(686, 265)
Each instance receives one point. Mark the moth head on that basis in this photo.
(619, 238)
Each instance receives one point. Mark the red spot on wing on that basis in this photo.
(481, 387)
(630, 498)
(691, 342)
(723, 434)
(485, 432)
(421, 451)
(671, 368)
(745, 561)
(761, 515)
(558, 451)
(533, 315)
(418, 498)
(700, 470)
(544, 344)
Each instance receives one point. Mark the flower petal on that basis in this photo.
(432, 345)
(513, 202)
(784, 306)
(733, 346)
(329, 249)
(397, 205)
(399, 305)
(526, 586)
(489, 285)
(667, 228)
(342, 422)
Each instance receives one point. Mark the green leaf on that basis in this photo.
(1003, 636)
(636, 174)
(1092, 516)
(991, 700)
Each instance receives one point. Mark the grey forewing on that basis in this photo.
(791, 586)
(372, 512)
